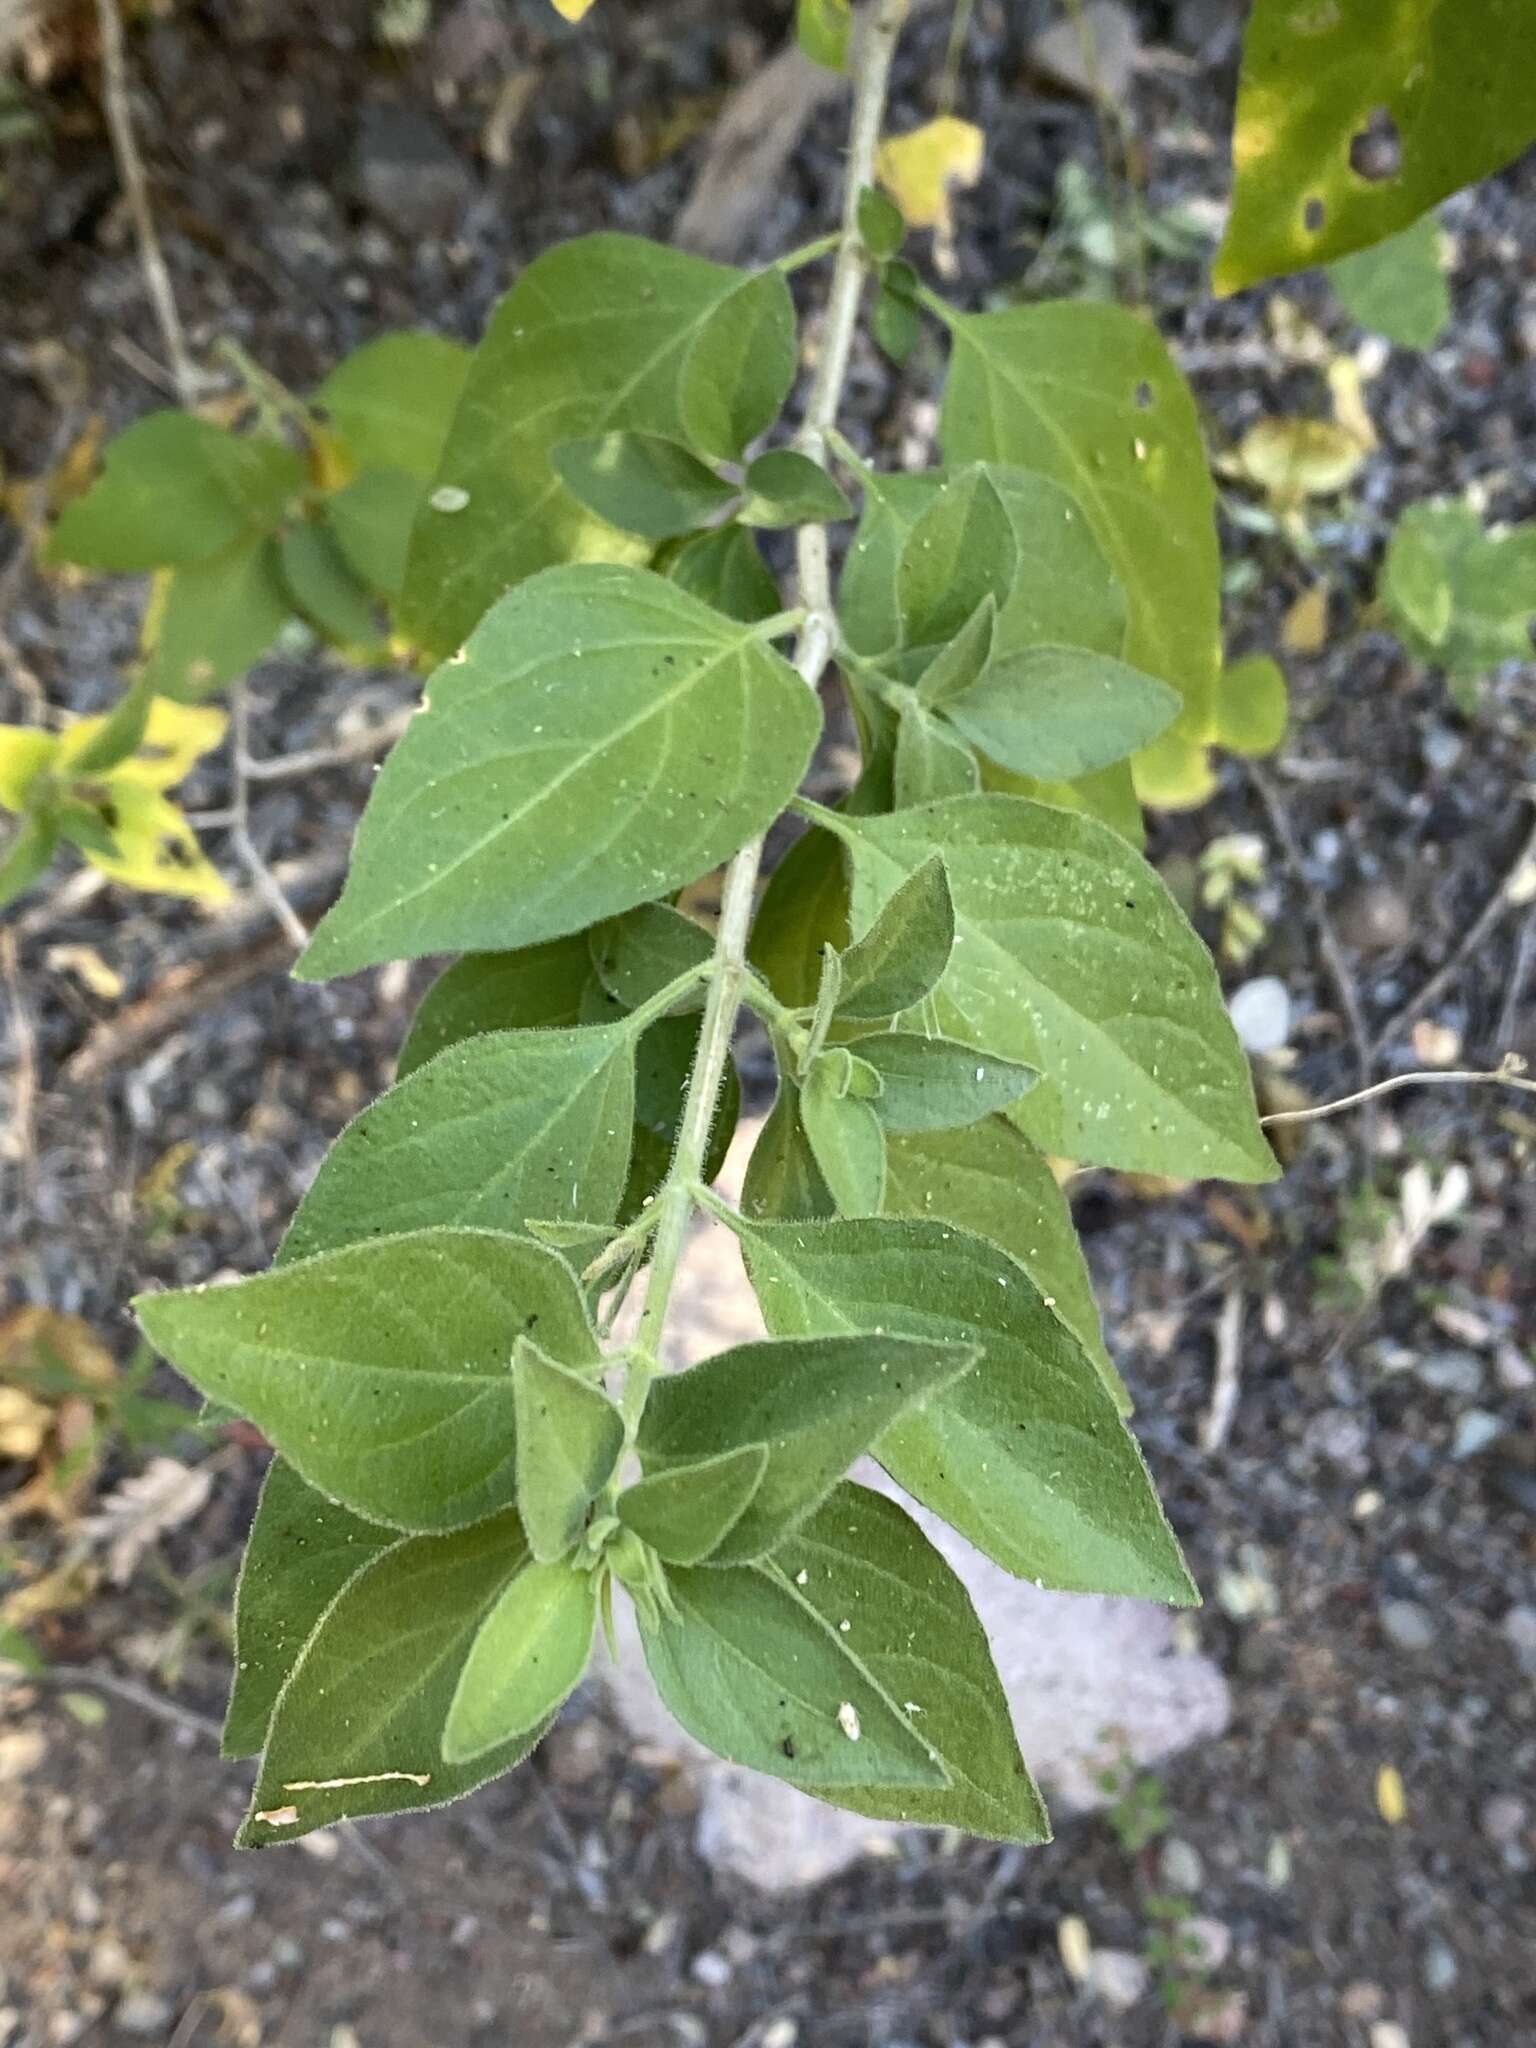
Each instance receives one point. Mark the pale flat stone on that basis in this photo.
(1092, 1682)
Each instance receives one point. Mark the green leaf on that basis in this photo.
(933, 1084)
(1071, 957)
(823, 29)
(175, 490)
(1025, 1455)
(871, 1574)
(846, 1141)
(637, 955)
(739, 366)
(725, 570)
(27, 856)
(961, 551)
(591, 337)
(1088, 396)
(816, 1405)
(895, 323)
(301, 1551)
(963, 661)
(359, 1725)
(990, 1180)
(371, 518)
(1462, 598)
(1061, 712)
(641, 482)
(324, 588)
(525, 1662)
(1397, 288)
(1253, 708)
(591, 697)
(867, 610)
(393, 399)
(216, 619)
(752, 1671)
(686, 1513)
(569, 1437)
(505, 1126)
(782, 1177)
(902, 956)
(881, 225)
(785, 488)
(1352, 122)
(932, 761)
(804, 909)
(382, 1372)
(536, 987)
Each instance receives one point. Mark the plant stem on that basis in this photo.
(818, 637)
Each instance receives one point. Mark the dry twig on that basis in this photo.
(267, 885)
(1508, 1075)
(1224, 1385)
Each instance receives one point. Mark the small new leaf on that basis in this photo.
(785, 488)
(959, 553)
(686, 1512)
(845, 1137)
(934, 1084)
(816, 1406)
(526, 1660)
(569, 1436)
(903, 955)
(642, 483)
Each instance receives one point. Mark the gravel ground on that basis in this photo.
(1364, 1532)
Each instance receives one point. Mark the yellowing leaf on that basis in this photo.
(920, 170)
(1252, 705)
(25, 750)
(1391, 1799)
(175, 736)
(1304, 629)
(1173, 773)
(1293, 459)
(154, 847)
(1346, 384)
(23, 1425)
(573, 10)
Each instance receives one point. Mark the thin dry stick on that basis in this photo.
(1514, 995)
(1508, 1075)
(130, 170)
(267, 884)
(361, 745)
(24, 1088)
(1466, 946)
(1224, 1385)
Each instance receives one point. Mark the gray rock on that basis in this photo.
(1209, 1940)
(1407, 1624)
(1438, 1968)
(142, 2013)
(409, 173)
(1180, 1866)
(1261, 1013)
(1520, 1633)
(1475, 1431)
(1454, 1371)
(1503, 1818)
(1117, 1977)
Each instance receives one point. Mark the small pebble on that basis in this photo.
(1261, 1014)
(1438, 1970)
(143, 2012)
(710, 1968)
(1475, 1431)
(1118, 1978)
(1407, 1624)
(1362, 2001)
(1503, 1818)
(1180, 1866)
(1374, 918)
(1519, 1627)
(1388, 2034)
(1209, 1941)
(1454, 1371)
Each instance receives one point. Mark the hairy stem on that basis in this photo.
(813, 649)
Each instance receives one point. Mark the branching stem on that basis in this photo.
(813, 649)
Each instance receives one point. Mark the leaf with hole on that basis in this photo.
(815, 1404)
(1025, 1455)
(358, 1726)
(604, 739)
(382, 1372)
(1352, 123)
(1071, 957)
